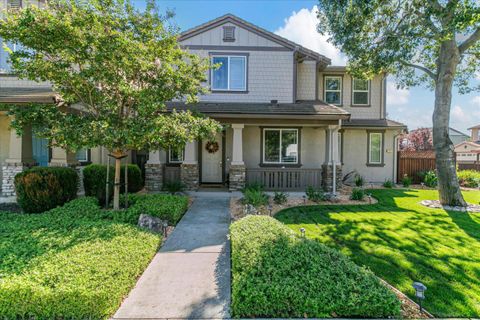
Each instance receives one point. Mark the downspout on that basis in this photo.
(395, 155)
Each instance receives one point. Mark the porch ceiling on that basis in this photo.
(27, 95)
(317, 110)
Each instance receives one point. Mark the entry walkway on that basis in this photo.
(190, 276)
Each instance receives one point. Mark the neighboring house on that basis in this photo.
(457, 136)
(292, 120)
(469, 151)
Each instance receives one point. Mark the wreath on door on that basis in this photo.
(212, 146)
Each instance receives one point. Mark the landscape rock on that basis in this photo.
(151, 223)
(437, 205)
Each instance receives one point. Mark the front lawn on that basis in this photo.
(403, 241)
(72, 262)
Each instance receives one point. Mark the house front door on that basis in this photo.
(212, 152)
(40, 150)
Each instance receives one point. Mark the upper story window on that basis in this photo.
(231, 75)
(229, 33)
(361, 92)
(333, 89)
(280, 146)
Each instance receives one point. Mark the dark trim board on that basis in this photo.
(228, 48)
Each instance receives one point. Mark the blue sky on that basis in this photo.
(295, 20)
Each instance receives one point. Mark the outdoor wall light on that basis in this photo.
(270, 208)
(302, 231)
(369, 198)
(165, 229)
(420, 289)
(422, 184)
(304, 199)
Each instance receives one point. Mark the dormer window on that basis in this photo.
(231, 75)
(229, 34)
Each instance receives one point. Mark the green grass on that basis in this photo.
(402, 241)
(68, 264)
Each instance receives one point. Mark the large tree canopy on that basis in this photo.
(421, 42)
(114, 67)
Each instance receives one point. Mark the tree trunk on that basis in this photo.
(118, 155)
(448, 186)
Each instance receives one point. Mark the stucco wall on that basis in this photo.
(355, 156)
(465, 152)
(4, 142)
(373, 111)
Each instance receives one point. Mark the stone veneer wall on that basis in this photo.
(327, 177)
(153, 177)
(189, 175)
(9, 171)
(237, 177)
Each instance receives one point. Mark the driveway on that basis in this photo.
(190, 276)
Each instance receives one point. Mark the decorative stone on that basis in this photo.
(153, 177)
(189, 175)
(9, 171)
(151, 223)
(437, 205)
(327, 177)
(237, 177)
(349, 178)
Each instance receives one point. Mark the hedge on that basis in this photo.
(42, 188)
(95, 175)
(67, 264)
(469, 178)
(278, 275)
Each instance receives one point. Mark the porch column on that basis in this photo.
(189, 173)
(154, 172)
(20, 157)
(62, 158)
(332, 167)
(237, 170)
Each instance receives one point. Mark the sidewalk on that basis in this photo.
(190, 276)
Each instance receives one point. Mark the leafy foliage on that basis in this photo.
(67, 264)
(278, 275)
(315, 195)
(280, 197)
(469, 178)
(406, 181)
(42, 188)
(357, 194)
(430, 179)
(420, 139)
(359, 181)
(95, 176)
(388, 184)
(254, 196)
(174, 186)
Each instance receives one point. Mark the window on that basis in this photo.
(14, 4)
(280, 146)
(229, 34)
(375, 148)
(231, 75)
(82, 155)
(333, 90)
(176, 155)
(361, 92)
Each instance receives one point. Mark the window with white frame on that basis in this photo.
(361, 92)
(176, 155)
(375, 148)
(333, 89)
(280, 146)
(231, 75)
(82, 155)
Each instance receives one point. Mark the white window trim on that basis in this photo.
(367, 91)
(175, 161)
(370, 148)
(280, 145)
(325, 90)
(228, 73)
(86, 156)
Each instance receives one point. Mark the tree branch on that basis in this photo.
(424, 69)
(474, 37)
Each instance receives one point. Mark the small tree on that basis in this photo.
(115, 68)
(417, 140)
(432, 42)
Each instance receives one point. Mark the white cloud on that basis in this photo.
(476, 101)
(458, 114)
(396, 96)
(301, 27)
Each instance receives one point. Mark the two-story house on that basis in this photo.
(291, 119)
(469, 151)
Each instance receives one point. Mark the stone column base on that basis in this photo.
(189, 176)
(327, 177)
(237, 177)
(9, 171)
(153, 177)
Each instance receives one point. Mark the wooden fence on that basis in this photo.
(412, 162)
(285, 178)
(469, 166)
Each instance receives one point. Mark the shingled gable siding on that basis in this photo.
(306, 80)
(373, 111)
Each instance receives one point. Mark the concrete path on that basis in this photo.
(190, 276)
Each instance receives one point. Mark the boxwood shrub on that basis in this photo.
(276, 274)
(94, 176)
(42, 188)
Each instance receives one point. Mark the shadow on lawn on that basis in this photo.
(402, 242)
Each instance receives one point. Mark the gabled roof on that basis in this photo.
(459, 132)
(230, 18)
(473, 144)
(474, 127)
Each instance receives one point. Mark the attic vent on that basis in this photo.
(228, 33)
(14, 4)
